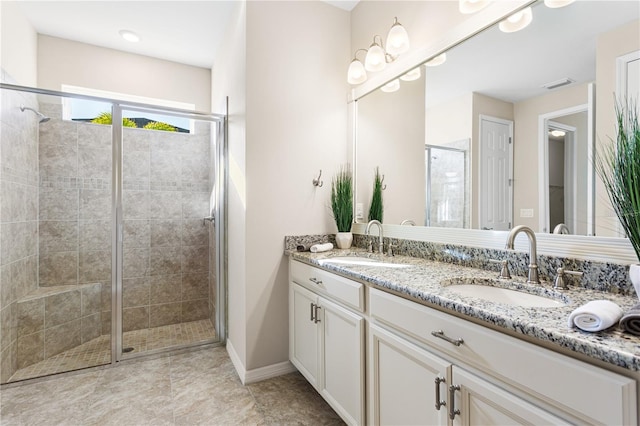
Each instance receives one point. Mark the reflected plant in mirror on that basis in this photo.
(376, 209)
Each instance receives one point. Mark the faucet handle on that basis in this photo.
(370, 245)
(559, 282)
(504, 271)
(389, 249)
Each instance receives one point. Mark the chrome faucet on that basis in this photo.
(533, 257)
(561, 228)
(408, 222)
(380, 237)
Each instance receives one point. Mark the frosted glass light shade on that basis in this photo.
(356, 73)
(392, 86)
(375, 60)
(397, 39)
(555, 4)
(517, 21)
(472, 6)
(412, 75)
(438, 60)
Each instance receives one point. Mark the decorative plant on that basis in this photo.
(342, 198)
(618, 165)
(158, 125)
(376, 208)
(105, 118)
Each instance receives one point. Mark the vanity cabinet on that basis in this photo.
(326, 337)
(496, 379)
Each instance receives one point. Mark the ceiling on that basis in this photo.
(183, 31)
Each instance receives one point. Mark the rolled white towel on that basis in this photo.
(318, 248)
(595, 316)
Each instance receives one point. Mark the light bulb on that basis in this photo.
(516, 21)
(472, 6)
(375, 59)
(391, 86)
(412, 75)
(356, 73)
(438, 60)
(397, 39)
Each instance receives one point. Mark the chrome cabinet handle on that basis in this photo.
(439, 402)
(312, 312)
(452, 408)
(315, 281)
(316, 319)
(440, 335)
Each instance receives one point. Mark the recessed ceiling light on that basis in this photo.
(130, 36)
(557, 133)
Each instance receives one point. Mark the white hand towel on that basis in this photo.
(318, 248)
(595, 316)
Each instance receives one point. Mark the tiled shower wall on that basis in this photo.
(18, 216)
(166, 242)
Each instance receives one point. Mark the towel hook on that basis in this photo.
(381, 183)
(317, 182)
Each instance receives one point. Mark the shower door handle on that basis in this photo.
(211, 219)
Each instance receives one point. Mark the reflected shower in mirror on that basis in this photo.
(504, 93)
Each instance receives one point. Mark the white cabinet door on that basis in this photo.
(304, 333)
(402, 382)
(481, 403)
(342, 343)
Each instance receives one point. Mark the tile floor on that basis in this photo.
(198, 387)
(98, 351)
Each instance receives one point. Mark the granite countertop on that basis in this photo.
(426, 281)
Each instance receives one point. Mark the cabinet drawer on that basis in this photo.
(346, 291)
(585, 391)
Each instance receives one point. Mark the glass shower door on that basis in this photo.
(168, 290)
(446, 187)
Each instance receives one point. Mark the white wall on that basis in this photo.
(229, 79)
(296, 124)
(63, 61)
(19, 45)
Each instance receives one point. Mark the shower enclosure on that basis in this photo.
(111, 237)
(447, 185)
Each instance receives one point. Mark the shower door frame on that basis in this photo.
(219, 222)
(220, 213)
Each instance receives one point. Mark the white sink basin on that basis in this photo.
(360, 261)
(505, 296)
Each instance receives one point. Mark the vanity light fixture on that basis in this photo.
(472, 6)
(377, 57)
(130, 36)
(516, 22)
(438, 60)
(397, 39)
(557, 133)
(555, 4)
(391, 86)
(356, 74)
(412, 75)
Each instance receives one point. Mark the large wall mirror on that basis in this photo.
(500, 131)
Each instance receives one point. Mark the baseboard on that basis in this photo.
(257, 374)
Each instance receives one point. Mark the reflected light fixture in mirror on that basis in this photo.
(130, 36)
(397, 39)
(472, 6)
(556, 4)
(412, 75)
(438, 60)
(391, 86)
(356, 74)
(376, 59)
(517, 21)
(557, 133)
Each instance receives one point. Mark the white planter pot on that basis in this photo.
(344, 240)
(634, 276)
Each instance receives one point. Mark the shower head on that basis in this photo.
(43, 118)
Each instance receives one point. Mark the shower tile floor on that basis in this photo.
(192, 388)
(98, 351)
